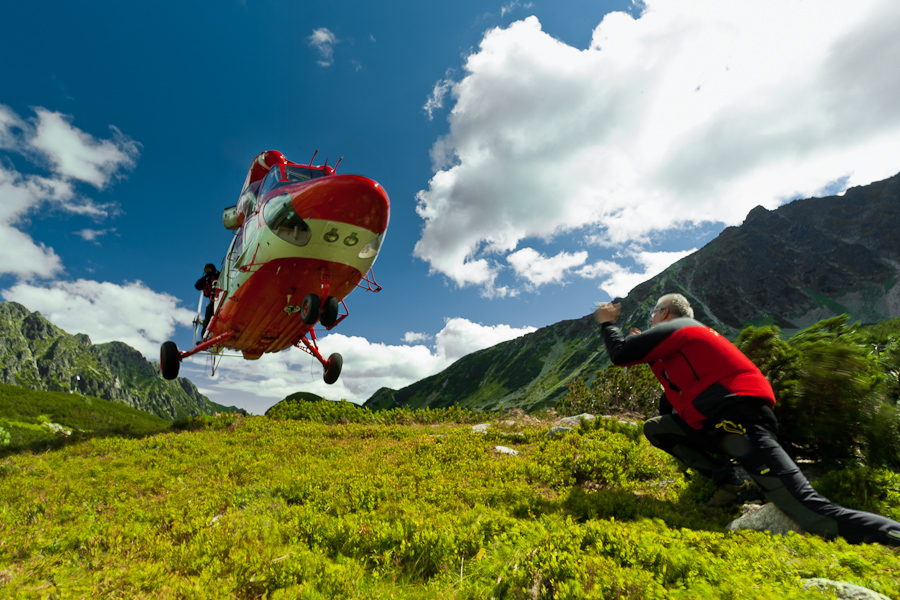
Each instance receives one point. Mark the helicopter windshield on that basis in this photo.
(272, 180)
(281, 175)
(295, 174)
(371, 249)
(247, 202)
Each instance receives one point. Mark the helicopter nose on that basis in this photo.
(351, 199)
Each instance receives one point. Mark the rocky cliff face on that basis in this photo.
(804, 262)
(36, 354)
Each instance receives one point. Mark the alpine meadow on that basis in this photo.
(322, 499)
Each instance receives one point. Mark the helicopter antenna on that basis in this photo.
(337, 163)
(326, 162)
(313, 157)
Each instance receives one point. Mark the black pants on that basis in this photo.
(746, 432)
(206, 317)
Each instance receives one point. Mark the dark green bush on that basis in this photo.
(614, 390)
(883, 341)
(871, 490)
(831, 397)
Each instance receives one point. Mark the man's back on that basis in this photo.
(697, 366)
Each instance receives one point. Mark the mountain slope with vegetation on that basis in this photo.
(257, 507)
(36, 354)
(530, 372)
(35, 421)
(791, 267)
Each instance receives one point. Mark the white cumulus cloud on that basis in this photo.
(412, 337)
(508, 8)
(538, 269)
(438, 94)
(92, 235)
(22, 257)
(78, 155)
(67, 155)
(10, 123)
(692, 113)
(368, 366)
(461, 336)
(618, 280)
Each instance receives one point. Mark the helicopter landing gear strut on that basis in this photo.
(332, 366)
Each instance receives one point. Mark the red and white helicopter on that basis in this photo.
(304, 238)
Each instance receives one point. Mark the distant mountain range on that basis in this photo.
(36, 354)
(794, 266)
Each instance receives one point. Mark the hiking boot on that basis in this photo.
(729, 493)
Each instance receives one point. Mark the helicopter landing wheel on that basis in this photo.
(333, 368)
(330, 312)
(309, 310)
(168, 360)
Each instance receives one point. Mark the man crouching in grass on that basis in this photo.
(717, 402)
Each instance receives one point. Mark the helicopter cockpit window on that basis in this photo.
(284, 221)
(273, 178)
(247, 201)
(295, 174)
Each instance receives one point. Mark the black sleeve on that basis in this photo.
(201, 283)
(633, 349)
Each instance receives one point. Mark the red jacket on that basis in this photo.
(701, 371)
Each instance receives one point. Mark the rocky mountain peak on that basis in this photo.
(758, 212)
(36, 327)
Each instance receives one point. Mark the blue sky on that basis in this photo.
(539, 156)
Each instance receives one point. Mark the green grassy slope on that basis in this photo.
(530, 372)
(258, 507)
(34, 420)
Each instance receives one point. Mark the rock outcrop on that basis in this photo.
(764, 517)
(842, 590)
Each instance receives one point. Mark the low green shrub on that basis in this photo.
(255, 507)
(871, 490)
(5, 438)
(614, 390)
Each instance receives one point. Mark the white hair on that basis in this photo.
(677, 305)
